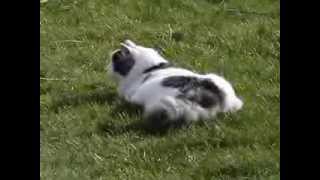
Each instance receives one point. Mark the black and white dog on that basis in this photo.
(168, 95)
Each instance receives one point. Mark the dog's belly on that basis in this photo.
(153, 95)
(152, 90)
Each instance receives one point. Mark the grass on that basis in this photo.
(84, 132)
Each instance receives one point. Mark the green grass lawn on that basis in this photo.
(83, 123)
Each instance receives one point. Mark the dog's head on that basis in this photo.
(131, 60)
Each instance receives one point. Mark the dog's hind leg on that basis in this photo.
(165, 114)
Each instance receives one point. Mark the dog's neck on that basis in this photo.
(128, 86)
(162, 65)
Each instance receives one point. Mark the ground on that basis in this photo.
(84, 132)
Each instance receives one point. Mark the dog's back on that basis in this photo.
(174, 96)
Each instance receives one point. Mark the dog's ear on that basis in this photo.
(127, 49)
(124, 48)
(129, 43)
(127, 46)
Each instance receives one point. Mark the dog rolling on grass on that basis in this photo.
(170, 96)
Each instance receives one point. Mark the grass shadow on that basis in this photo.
(99, 96)
(141, 127)
(137, 127)
(217, 1)
(115, 129)
(121, 106)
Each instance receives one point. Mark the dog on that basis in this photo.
(170, 96)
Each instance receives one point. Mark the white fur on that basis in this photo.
(153, 96)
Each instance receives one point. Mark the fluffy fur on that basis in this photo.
(169, 95)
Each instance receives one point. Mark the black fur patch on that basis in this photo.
(158, 121)
(122, 63)
(156, 67)
(201, 91)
